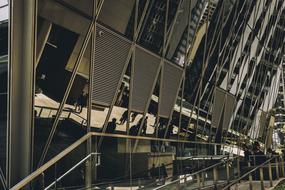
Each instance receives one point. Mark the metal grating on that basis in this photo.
(146, 67)
(171, 80)
(111, 52)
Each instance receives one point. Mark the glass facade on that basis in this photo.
(3, 84)
(150, 92)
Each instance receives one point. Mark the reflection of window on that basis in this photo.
(3, 92)
(3, 2)
(53, 62)
(4, 39)
(4, 10)
(3, 75)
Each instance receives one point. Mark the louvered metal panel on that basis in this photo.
(171, 80)
(223, 108)
(218, 104)
(146, 67)
(111, 52)
(229, 110)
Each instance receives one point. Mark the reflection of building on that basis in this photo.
(280, 102)
(248, 66)
(3, 84)
(279, 111)
(200, 71)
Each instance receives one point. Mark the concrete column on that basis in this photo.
(21, 88)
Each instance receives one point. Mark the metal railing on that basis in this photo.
(260, 167)
(200, 158)
(70, 170)
(141, 181)
(41, 170)
(200, 176)
(52, 111)
(270, 163)
(69, 114)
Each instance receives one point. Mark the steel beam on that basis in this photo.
(88, 165)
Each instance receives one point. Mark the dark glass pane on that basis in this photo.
(3, 92)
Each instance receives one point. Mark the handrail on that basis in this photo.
(137, 137)
(55, 159)
(153, 138)
(195, 173)
(44, 167)
(180, 174)
(203, 157)
(116, 180)
(55, 109)
(70, 170)
(249, 172)
(143, 137)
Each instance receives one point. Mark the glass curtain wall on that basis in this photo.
(3, 85)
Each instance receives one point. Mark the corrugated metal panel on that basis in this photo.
(111, 52)
(172, 75)
(146, 67)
